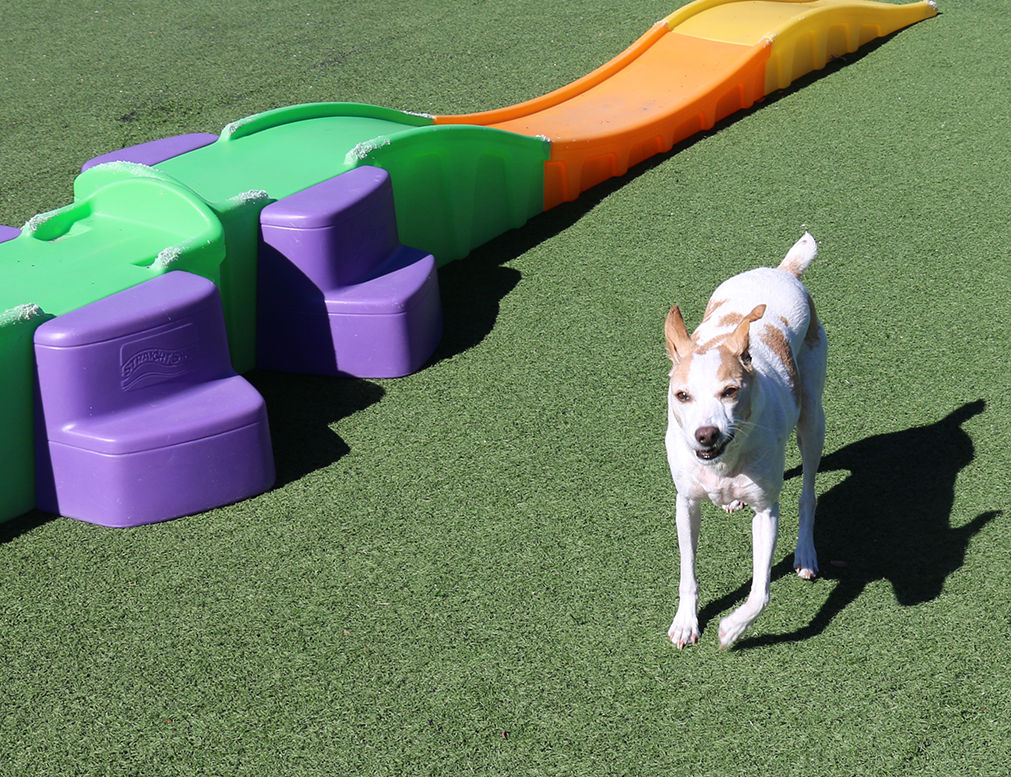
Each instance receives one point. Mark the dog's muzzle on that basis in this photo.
(713, 443)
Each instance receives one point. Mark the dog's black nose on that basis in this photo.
(707, 436)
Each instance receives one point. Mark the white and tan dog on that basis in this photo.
(752, 372)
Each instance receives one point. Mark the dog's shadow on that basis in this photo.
(889, 519)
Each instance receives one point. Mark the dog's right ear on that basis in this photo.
(679, 344)
(737, 342)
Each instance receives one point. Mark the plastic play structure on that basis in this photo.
(128, 316)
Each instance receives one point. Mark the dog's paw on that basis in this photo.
(805, 562)
(734, 506)
(732, 627)
(684, 630)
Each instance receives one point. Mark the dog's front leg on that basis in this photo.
(764, 528)
(685, 628)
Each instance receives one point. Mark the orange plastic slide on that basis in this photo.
(691, 69)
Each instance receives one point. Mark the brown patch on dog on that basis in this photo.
(711, 308)
(737, 339)
(713, 343)
(731, 369)
(679, 372)
(785, 320)
(776, 341)
(731, 319)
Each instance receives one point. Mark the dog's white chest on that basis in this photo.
(724, 491)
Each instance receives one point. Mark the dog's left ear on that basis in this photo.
(737, 343)
(679, 343)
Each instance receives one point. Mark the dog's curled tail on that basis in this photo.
(799, 257)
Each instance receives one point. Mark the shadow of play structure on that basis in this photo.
(128, 316)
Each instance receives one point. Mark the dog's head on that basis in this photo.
(710, 384)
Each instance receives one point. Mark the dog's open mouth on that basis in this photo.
(713, 453)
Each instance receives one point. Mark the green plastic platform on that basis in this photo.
(455, 187)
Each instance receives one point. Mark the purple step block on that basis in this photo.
(338, 293)
(154, 151)
(141, 417)
(8, 233)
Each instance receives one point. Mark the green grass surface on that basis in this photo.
(472, 570)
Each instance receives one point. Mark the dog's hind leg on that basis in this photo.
(685, 628)
(811, 441)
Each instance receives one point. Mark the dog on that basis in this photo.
(752, 372)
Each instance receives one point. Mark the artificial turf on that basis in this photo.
(471, 570)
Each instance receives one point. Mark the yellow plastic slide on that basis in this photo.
(691, 69)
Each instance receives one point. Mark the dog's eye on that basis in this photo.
(729, 392)
(682, 397)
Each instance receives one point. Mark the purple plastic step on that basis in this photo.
(338, 293)
(141, 417)
(154, 151)
(8, 233)
(338, 232)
